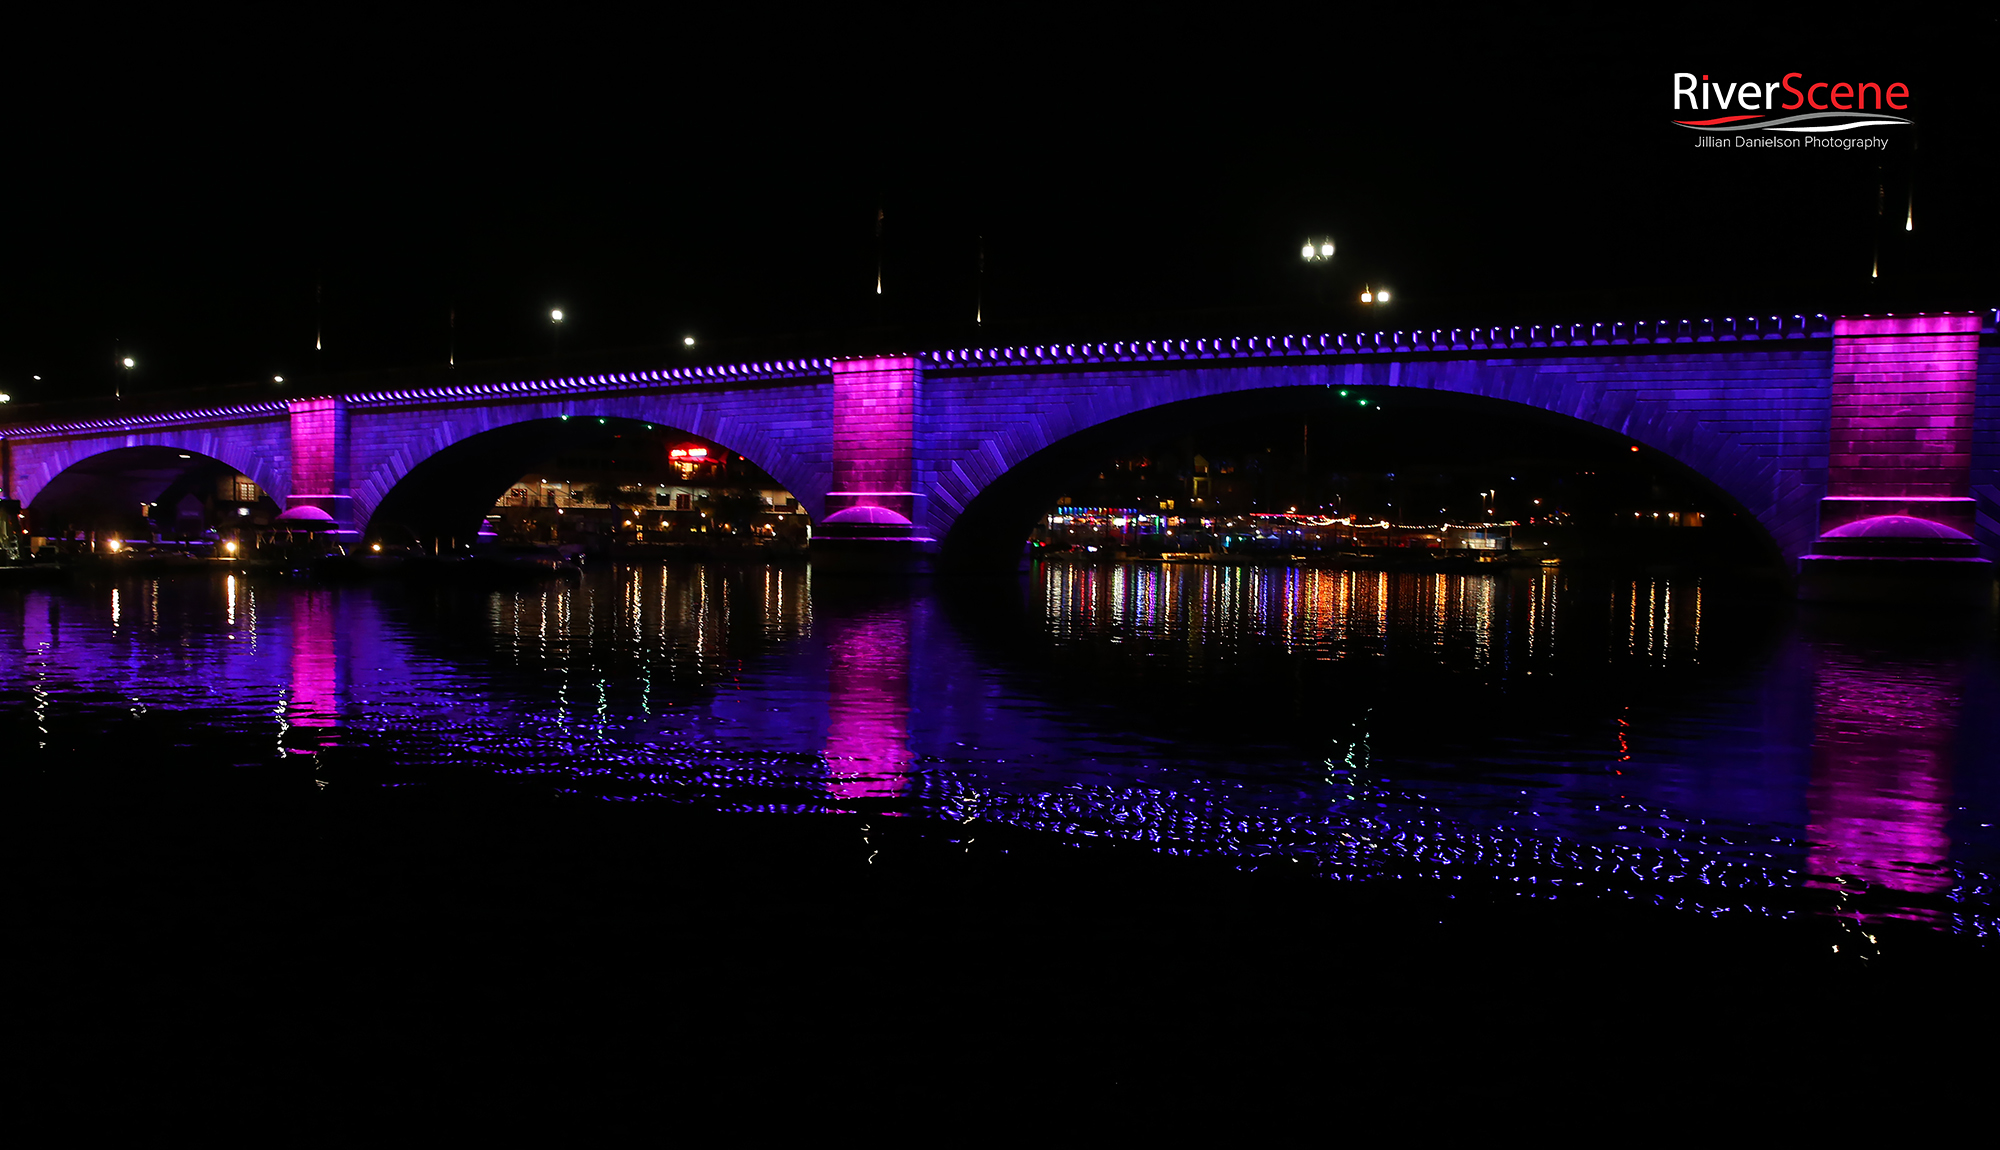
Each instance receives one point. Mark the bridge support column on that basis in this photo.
(872, 508)
(319, 499)
(1898, 516)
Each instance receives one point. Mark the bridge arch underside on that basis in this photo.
(105, 491)
(991, 529)
(783, 428)
(446, 497)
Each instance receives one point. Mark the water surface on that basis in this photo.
(1660, 741)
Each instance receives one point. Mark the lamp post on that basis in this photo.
(555, 333)
(1318, 252)
(118, 391)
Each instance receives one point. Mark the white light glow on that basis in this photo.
(1367, 297)
(1307, 251)
(688, 341)
(1382, 296)
(555, 316)
(1326, 250)
(128, 361)
(277, 379)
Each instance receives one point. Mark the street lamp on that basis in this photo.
(555, 333)
(118, 389)
(1319, 253)
(1369, 295)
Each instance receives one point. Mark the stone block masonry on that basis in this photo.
(1751, 418)
(319, 476)
(874, 441)
(1985, 472)
(783, 426)
(1904, 393)
(1801, 426)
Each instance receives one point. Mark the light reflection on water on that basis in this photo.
(1563, 740)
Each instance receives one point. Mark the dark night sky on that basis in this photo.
(178, 191)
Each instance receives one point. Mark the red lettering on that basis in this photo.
(1842, 91)
(1861, 97)
(1797, 99)
(1809, 96)
(1897, 91)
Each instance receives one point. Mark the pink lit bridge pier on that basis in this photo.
(1865, 447)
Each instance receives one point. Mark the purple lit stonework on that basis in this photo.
(1899, 511)
(319, 477)
(1807, 424)
(872, 505)
(874, 442)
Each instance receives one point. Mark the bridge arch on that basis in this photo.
(779, 427)
(103, 490)
(446, 494)
(1765, 459)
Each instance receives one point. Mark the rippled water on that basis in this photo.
(1653, 740)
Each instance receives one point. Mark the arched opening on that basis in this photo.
(157, 495)
(1440, 468)
(603, 485)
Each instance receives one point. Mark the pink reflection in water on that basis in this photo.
(1881, 775)
(315, 671)
(868, 707)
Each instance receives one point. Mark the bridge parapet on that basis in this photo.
(149, 421)
(1649, 334)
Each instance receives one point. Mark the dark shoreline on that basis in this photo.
(474, 936)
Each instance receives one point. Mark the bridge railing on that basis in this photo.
(1619, 333)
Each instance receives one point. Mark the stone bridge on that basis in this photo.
(1803, 423)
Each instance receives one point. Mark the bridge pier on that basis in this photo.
(318, 494)
(873, 507)
(1898, 517)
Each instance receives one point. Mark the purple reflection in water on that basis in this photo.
(315, 669)
(1881, 774)
(868, 706)
(1375, 726)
